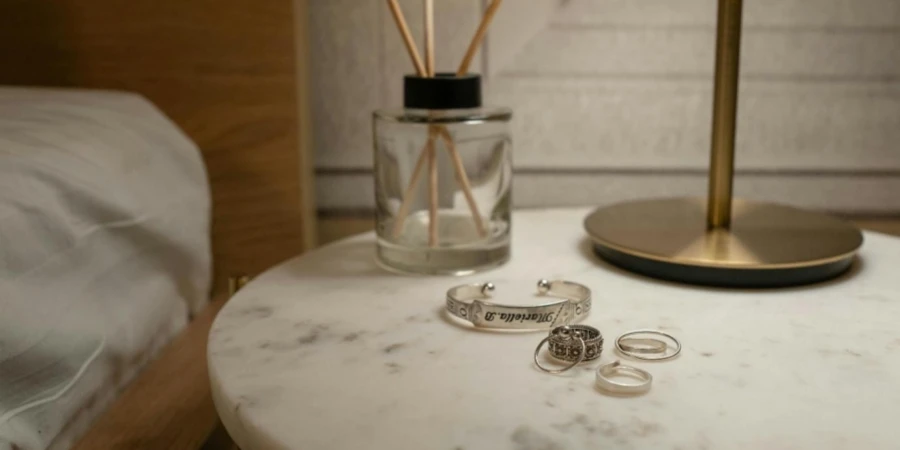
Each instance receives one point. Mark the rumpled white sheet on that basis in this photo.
(104, 252)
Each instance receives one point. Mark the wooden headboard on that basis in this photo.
(226, 71)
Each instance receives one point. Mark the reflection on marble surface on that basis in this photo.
(328, 351)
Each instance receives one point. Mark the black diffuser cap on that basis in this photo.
(444, 91)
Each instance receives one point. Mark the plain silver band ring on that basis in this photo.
(649, 358)
(614, 368)
(537, 351)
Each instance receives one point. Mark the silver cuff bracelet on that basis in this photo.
(576, 306)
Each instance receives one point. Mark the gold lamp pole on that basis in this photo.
(734, 242)
(725, 97)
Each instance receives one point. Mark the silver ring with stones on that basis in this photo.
(575, 343)
(581, 346)
(467, 302)
(663, 356)
(617, 369)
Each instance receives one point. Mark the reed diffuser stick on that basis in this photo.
(432, 191)
(432, 130)
(479, 36)
(463, 180)
(407, 37)
(429, 37)
(409, 195)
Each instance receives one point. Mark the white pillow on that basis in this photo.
(104, 253)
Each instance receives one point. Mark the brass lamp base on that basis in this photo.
(766, 245)
(721, 241)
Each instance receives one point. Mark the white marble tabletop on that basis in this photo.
(328, 351)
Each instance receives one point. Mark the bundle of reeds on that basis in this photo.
(428, 153)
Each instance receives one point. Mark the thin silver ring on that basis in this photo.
(617, 368)
(537, 362)
(644, 345)
(649, 358)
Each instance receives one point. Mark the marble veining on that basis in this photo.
(327, 351)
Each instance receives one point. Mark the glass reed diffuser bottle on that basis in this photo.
(443, 178)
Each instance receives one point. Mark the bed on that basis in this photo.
(211, 96)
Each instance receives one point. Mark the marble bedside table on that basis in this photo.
(327, 351)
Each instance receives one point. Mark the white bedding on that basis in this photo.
(104, 253)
